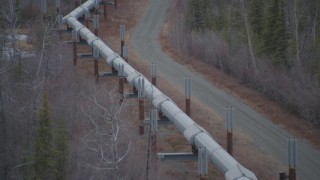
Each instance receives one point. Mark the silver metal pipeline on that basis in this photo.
(195, 134)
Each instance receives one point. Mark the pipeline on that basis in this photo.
(195, 134)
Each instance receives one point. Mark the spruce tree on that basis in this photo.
(61, 150)
(256, 16)
(269, 41)
(43, 147)
(275, 37)
(199, 16)
(281, 39)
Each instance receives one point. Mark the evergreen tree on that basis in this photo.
(199, 16)
(43, 147)
(256, 16)
(61, 150)
(269, 41)
(275, 37)
(281, 39)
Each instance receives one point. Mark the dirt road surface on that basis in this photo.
(265, 134)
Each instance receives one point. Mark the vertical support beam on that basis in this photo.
(74, 44)
(282, 176)
(95, 49)
(105, 9)
(87, 17)
(121, 82)
(134, 90)
(96, 23)
(292, 158)
(58, 5)
(95, 64)
(141, 116)
(122, 36)
(125, 53)
(115, 4)
(141, 97)
(59, 23)
(229, 127)
(187, 84)
(202, 163)
(154, 73)
(154, 130)
(44, 9)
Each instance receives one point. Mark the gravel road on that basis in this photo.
(266, 135)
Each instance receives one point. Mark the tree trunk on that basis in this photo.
(296, 32)
(314, 29)
(249, 37)
(3, 140)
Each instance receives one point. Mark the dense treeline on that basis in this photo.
(272, 46)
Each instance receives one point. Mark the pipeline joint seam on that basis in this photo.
(215, 150)
(166, 99)
(201, 131)
(115, 57)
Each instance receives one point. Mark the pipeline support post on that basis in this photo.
(74, 44)
(96, 24)
(202, 163)
(121, 82)
(125, 53)
(115, 4)
(229, 127)
(87, 17)
(95, 49)
(154, 130)
(122, 36)
(44, 9)
(141, 97)
(58, 5)
(292, 158)
(187, 84)
(95, 64)
(154, 73)
(105, 9)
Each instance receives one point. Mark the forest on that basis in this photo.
(270, 46)
(56, 121)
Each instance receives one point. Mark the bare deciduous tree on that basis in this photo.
(106, 143)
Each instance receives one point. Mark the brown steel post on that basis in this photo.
(120, 88)
(96, 32)
(282, 176)
(96, 67)
(203, 177)
(188, 108)
(122, 44)
(161, 116)
(105, 9)
(292, 173)
(74, 53)
(134, 89)
(115, 4)
(121, 82)
(87, 23)
(154, 143)
(141, 115)
(229, 142)
(154, 81)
